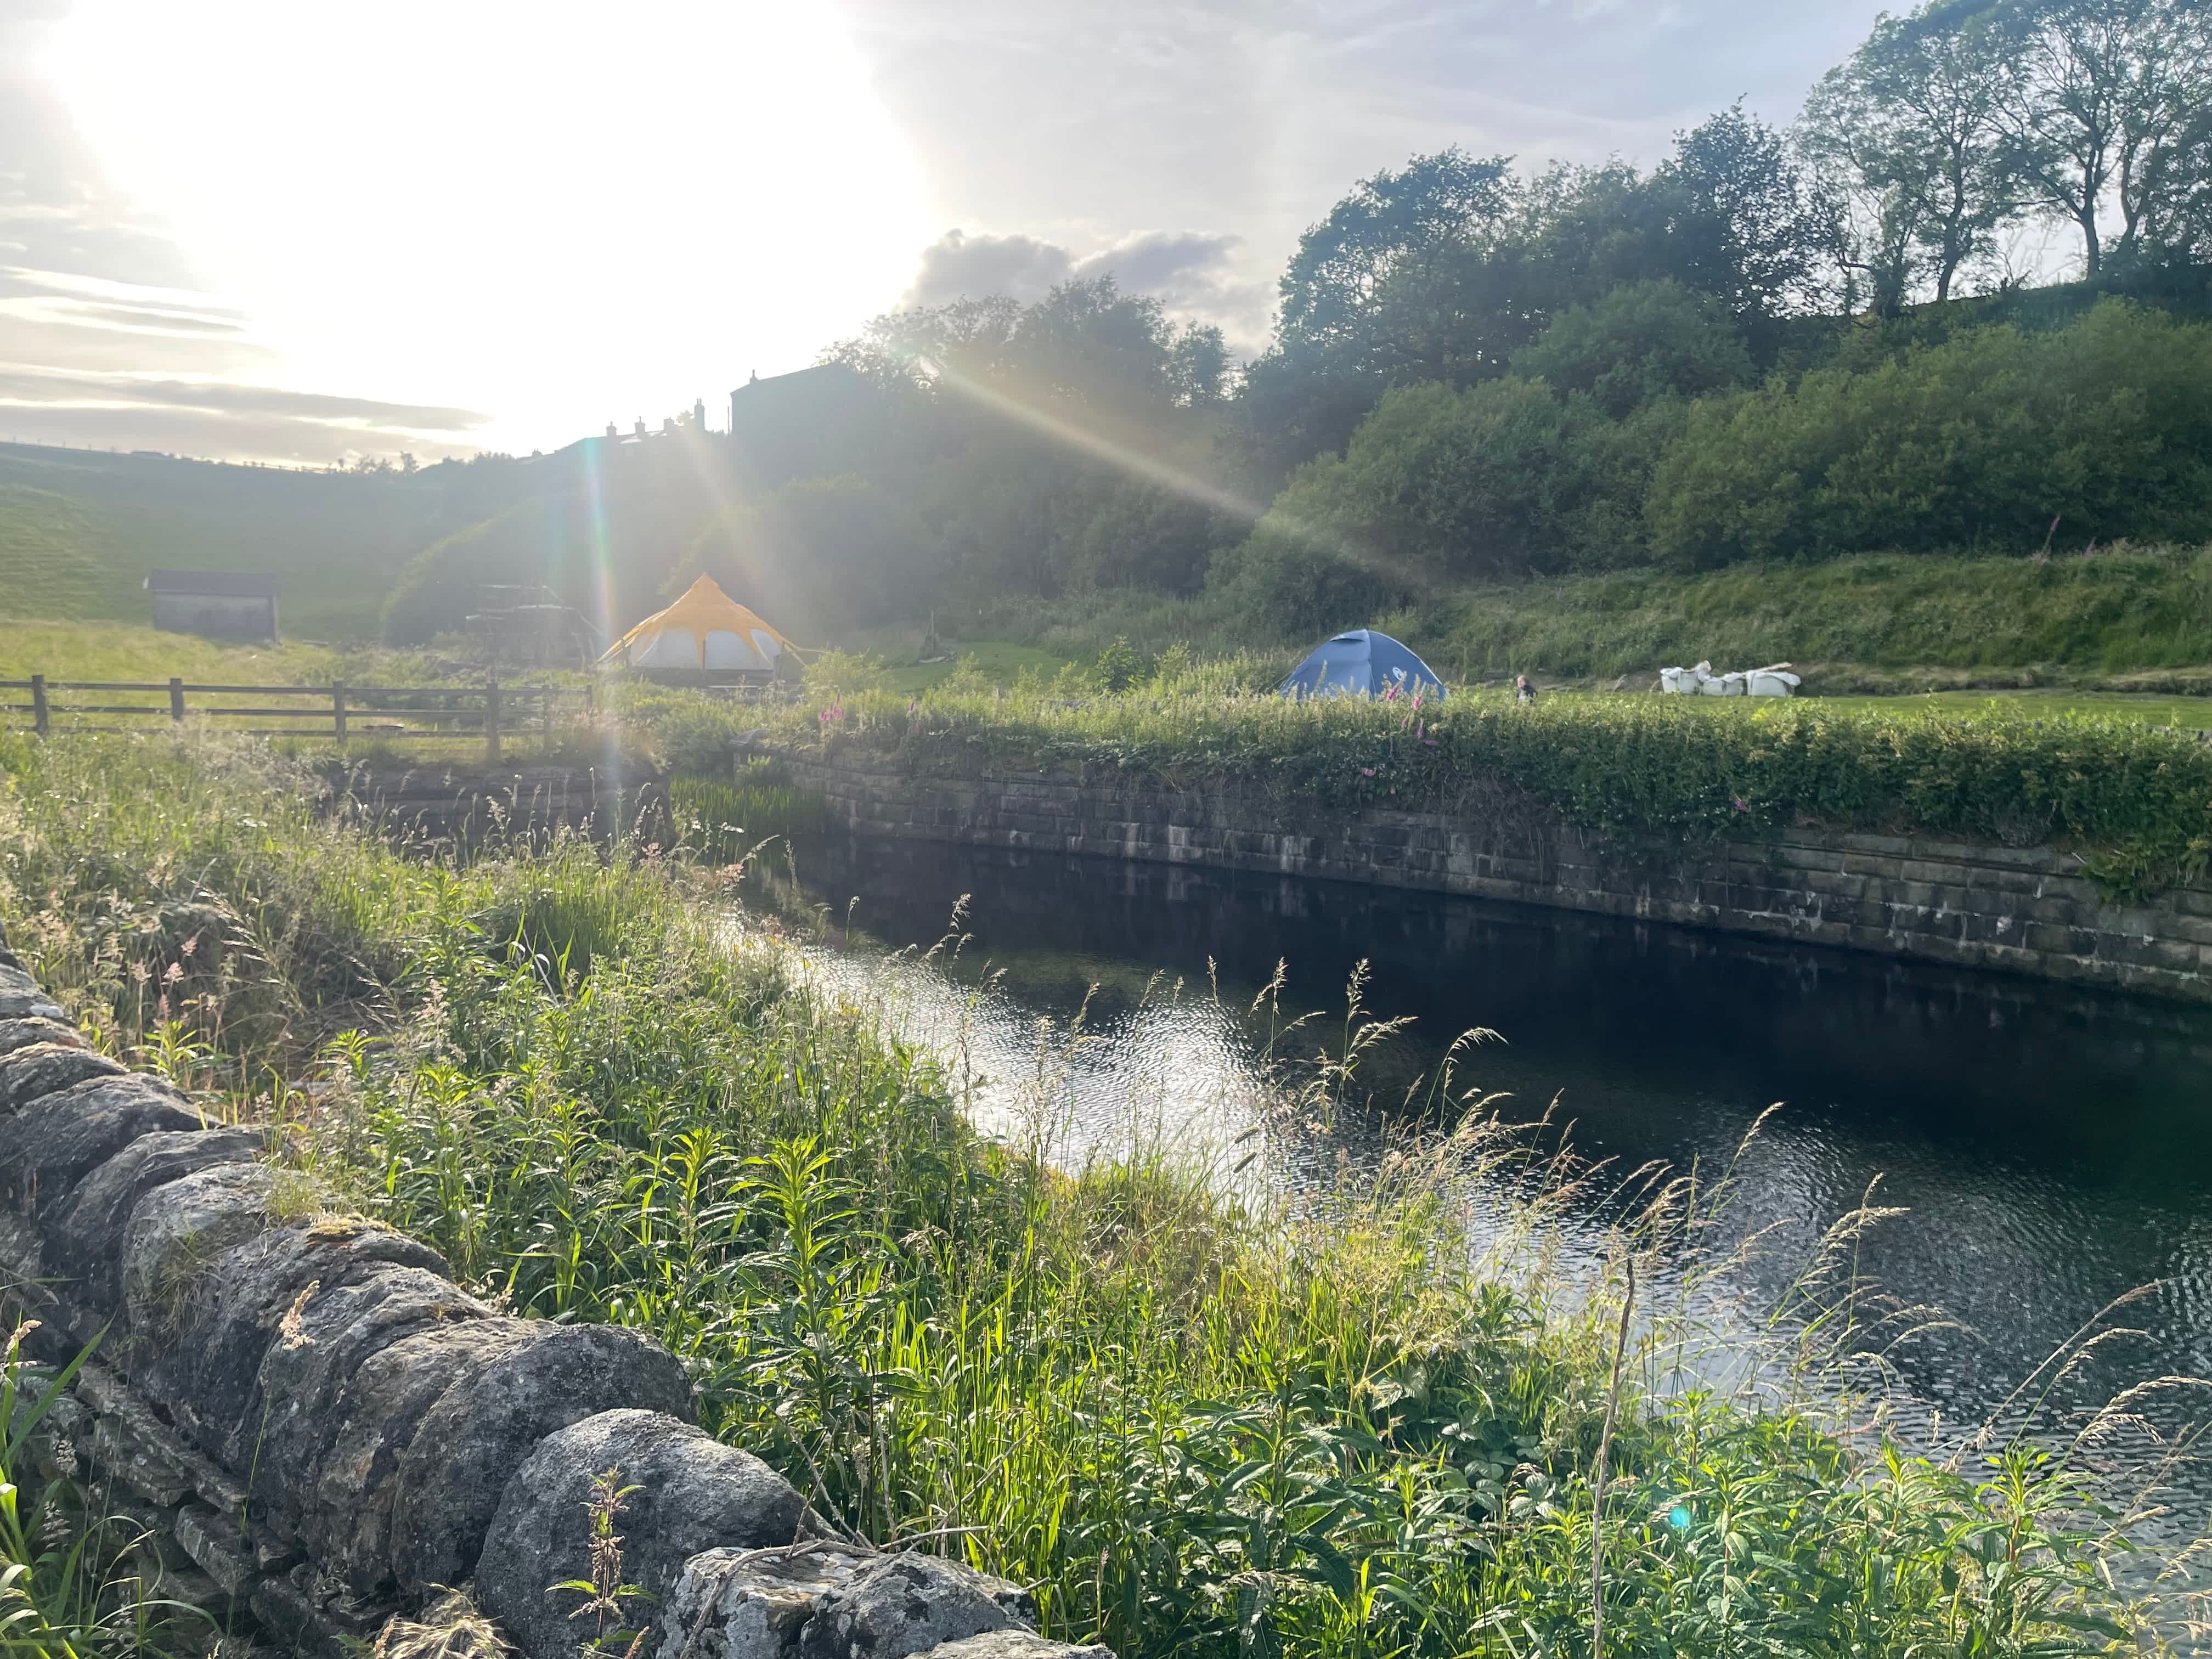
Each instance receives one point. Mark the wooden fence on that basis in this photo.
(489, 712)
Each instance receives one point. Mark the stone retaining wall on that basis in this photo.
(319, 1432)
(2022, 909)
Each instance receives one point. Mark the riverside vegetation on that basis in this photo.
(2136, 800)
(1195, 1422)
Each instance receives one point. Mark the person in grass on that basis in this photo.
(1522, 690)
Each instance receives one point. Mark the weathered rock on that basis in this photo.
(50, 1146)
(212, 1374)
(692, 1494)
(176, 1232)
(1015, 1644)
(748, 1604)
(455, 1471)
(21, 999)
(340, 1507)
(22, 1033)
(292, 1408)
(901, 1604)
(429, 1430)
(84, 1234)
(46, 1068)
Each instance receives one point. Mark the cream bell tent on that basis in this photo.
(705, 637)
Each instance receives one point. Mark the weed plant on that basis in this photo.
(725, 821)
(1353, 1425)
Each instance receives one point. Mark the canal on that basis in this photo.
(2051, 1148)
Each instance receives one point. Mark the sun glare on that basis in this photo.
(557, 213)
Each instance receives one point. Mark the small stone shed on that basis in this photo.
(225, 604)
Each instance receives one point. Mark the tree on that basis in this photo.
(1737, 224)
(1400, 228)
(2103, 102)
(1907, 145)
(1198, 366)
(1639, 344)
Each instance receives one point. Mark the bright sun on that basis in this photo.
(558, 213)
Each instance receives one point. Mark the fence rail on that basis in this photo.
(490, 712)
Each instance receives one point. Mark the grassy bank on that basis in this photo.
(2125, 619)
(2123, 611)
(1195, 1425)
(2136, 800)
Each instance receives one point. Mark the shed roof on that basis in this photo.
(215, 584)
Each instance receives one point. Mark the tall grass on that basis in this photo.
(2135, 800)
(1363, 1423)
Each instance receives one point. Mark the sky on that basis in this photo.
(302, 233)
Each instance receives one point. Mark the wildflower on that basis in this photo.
(1741, 805)
(290, 1327)
(1366, 771)
(191, 945)
(175, 972)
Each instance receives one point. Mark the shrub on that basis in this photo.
(1637, 346)
(1981, 440)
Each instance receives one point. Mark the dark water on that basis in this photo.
(2052, 1147)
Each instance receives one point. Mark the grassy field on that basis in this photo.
(2122, 611)
(1195, 1425)
(81, 529)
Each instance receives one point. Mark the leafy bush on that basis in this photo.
(1637, 346)
(1981, 440)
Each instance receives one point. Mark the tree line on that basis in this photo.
(1773, 342)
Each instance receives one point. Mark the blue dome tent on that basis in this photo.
(1363, 663)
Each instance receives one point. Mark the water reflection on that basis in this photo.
(2052, 1146)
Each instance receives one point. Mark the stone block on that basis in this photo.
(84, 1234)
(748, 1604)
(54, 1143)
(280, 1321)
(900, 1605)
(454, 1472)
(39, 1069)
(1014, 1644)
(218, 1548)
(175, 1233)
(693, 1494)
(17, 1034)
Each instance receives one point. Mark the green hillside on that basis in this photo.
(80, 530)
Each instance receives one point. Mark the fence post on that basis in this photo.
(591, 696)
(491, 720)
(39, 719)
(177, 701)
(338, 708)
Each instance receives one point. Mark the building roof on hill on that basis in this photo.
(822, 377)
(215, 584)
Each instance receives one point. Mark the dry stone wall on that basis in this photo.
(2022, 909)
(319, 1432)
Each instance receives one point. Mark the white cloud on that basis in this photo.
(1197, 275)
